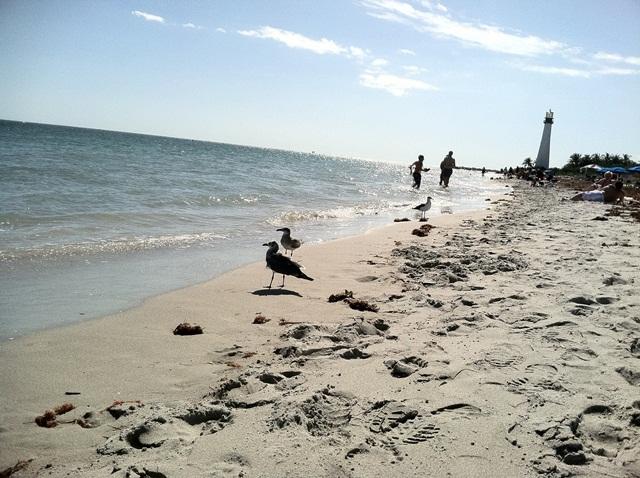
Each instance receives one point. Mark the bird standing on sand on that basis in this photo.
(282, 264)
(424, 208)
(287, 241)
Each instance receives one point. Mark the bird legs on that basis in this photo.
(272, 276)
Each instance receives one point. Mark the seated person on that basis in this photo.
(605, 181)
(611, 194)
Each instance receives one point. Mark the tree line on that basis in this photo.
(606, 160)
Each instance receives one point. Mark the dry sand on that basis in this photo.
(507, 343)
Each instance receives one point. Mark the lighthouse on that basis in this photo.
(542, 160)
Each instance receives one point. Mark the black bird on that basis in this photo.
(424, 207)
(282, 264)
(287, 241)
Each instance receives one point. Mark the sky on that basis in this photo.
(372, 79)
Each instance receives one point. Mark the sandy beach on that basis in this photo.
(506, 342)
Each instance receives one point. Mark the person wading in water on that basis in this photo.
(446, 169)
(416, 170)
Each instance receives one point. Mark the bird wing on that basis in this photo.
(283, 265)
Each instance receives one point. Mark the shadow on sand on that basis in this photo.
(266, 291)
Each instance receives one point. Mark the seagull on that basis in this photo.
(287, 241)
(424, 207)
(282, 264)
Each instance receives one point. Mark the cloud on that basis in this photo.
(396, 85)
(614, 57)
(554, 70)
(488, 37)
(433, 6)
(357, 53)
(191, 25)
(372, 77)
(378, 62)
(406, 51)
(589, 71)
(221, 30)
(414, 70)
(296, 40)
(150, 17)
(617, 71)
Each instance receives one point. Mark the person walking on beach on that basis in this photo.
(446, 169)
(416, 169)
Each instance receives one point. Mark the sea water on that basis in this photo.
(93, 221)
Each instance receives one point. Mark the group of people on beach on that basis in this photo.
(446, 170)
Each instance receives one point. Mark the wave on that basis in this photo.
(342, 212)
(115, 246)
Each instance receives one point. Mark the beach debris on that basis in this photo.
(48, 418)
(120, 408)
(403, 219)
(356, 304)
(21, 465)
(288, 322)
(287, 351)
(354, 353)
(233, 364)
(423, 230)
(72, 393)
(186, 328)
(64, 408)
(347, 294)
(260, 319)
(361, 305)
(88, 420)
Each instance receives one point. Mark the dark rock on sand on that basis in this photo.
(186, 328)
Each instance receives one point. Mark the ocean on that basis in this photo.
(93, 222)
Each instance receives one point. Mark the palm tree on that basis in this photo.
(575, 160)
(527, 163)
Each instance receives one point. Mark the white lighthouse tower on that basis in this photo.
(542, 161)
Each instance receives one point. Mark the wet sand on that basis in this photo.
(505, 343)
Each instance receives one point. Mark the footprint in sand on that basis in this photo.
(501, 356)
(601, 432)
(536, 377)
(326, 411)
(168, 427)
(461, 409)
(399, 424)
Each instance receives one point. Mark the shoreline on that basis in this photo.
(477, 344)
(132, 303)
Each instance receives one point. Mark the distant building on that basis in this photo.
(542, 160)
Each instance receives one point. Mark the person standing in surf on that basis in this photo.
(416, 170)
(446, 169)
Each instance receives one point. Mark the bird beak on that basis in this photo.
(265, 244)
(280, 230)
